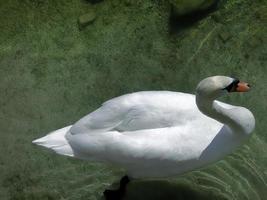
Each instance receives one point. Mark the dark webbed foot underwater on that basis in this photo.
(119, 193)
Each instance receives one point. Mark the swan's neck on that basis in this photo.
(228, 117)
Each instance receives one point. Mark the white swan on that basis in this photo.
(159, 133)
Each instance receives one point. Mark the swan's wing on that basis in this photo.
(126, 147)
(141, 110)
(103, 119)
(177, 144)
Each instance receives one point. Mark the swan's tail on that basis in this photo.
(56, 141)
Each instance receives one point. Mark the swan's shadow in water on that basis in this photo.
(160, 190)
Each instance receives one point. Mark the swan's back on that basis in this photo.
(141, 110)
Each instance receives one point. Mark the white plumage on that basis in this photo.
(157, 133)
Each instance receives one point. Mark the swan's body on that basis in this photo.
(157, 133)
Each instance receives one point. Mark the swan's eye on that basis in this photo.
(232, 87)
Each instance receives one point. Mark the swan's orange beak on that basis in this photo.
(242, 87)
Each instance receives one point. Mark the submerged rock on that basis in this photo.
(86, 19)
(183, 7)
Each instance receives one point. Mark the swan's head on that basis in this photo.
(215, 86)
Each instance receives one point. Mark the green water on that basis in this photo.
(52, 73)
